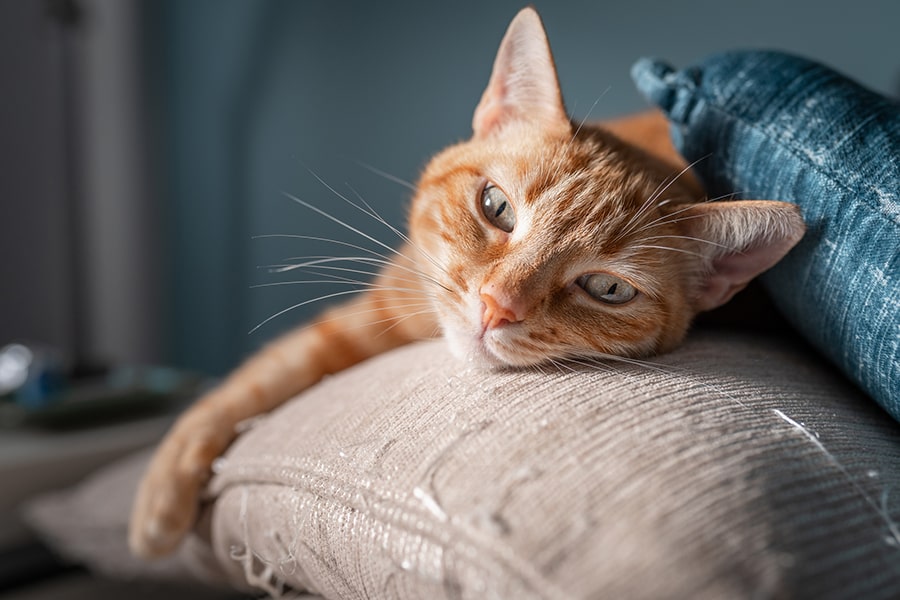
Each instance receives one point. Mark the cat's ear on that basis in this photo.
(738, 241)
(523, 84)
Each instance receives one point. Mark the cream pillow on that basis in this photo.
(737, 467)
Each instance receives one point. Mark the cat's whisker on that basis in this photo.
(256, 286)
(321, 239)
(419, 304)
(386, 175)
(364, 289)
(667, 219)
(591, 364)
(314, 261)
(374, 214)
(679, 175)
(599, 359)
(663, 221)
(338, 279)
(398, 320)
(588, 115)
(658, 247)
(668, 369)
(422, 301)
(311, 260)
(729, 196)
(693, 239)
(384, 259)
(653, 199)
(306, 302)
(660, 189)
(368, 286)
(334, 277)
(405, 292)
(339, 221)
(343, 318)
(545, 368)
(367, 260)
(561, 366)
(356, 271)
(650, 202)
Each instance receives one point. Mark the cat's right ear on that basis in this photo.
(523, 84)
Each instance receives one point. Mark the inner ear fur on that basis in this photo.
(523, 85)
(738, 241)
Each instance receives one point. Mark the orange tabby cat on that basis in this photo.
(533, 241)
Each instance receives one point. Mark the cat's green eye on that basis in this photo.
(497, 208)
(607, 288)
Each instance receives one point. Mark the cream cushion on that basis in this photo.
(737, 466)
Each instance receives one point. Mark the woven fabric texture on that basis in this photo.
(772, 126)
(735, 467)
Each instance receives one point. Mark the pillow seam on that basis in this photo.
(517, 571)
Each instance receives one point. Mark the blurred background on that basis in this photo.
(144, 143)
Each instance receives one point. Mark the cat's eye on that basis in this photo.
(607, 288)
(497, 209)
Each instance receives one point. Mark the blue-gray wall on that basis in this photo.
(252, 94)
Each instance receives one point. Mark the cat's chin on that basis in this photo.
(480, 352)
(482, 356)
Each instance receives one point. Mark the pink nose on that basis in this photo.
(494, 314)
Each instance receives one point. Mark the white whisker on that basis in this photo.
(656, 247)
(373, 274)
(305, 302)
(321, 239)
(588, 115)
(372, 213)
(362, 284)
(343, 318)
(317, 261)
(386, 175)
(692, 239)
(400, 318)
(339, 221)
(653, 200)
(667, 219)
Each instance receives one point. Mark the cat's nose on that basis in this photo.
(494, 314)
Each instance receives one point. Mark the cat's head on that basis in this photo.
(556, 240)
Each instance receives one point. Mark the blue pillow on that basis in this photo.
(772, 126)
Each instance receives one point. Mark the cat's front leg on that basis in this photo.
(165, 506)
(167, 498)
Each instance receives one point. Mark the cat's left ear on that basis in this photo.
(523, 84)
(739, 240)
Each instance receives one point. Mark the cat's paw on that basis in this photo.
(165, 506)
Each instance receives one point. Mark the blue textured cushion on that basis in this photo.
(768, 125)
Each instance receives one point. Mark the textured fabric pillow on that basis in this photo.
(772, 126)
(736, 467)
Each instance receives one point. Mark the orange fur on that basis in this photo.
(610, 203)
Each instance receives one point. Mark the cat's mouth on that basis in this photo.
(493, 347)
(497, 349)
(487, 353)
(476, 345)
